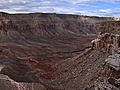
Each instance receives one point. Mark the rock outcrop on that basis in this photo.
(108, 41)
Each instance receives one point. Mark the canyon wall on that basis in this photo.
(58, 32)
(47, 33)
(48, 52)
(50, 25)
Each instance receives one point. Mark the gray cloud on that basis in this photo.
(89, 1)
(57, 6)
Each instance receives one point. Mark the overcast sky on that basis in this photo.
(81, 7)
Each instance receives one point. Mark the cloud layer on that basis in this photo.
(81, 7)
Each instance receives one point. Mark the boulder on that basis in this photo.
(114, 61)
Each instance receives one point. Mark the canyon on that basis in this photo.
(49, 51)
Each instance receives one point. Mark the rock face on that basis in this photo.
(108, 42)
(53, 52)
(108, 39)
